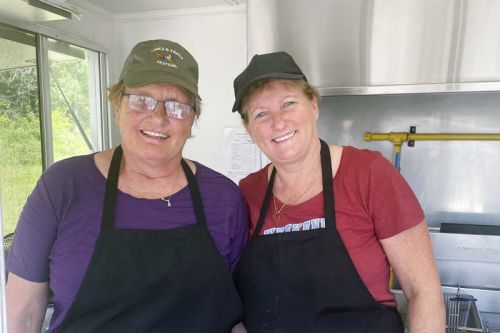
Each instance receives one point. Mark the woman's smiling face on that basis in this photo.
(154, 136)
(282, 120)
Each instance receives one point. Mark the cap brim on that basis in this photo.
(148, 77)
(284, 76)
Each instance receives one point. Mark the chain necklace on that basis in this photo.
(277, 212)
(167, 198)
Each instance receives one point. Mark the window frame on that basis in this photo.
(102, 115)
(99, 107)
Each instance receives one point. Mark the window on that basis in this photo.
(74, 94)
(20, 149)
(51, 108)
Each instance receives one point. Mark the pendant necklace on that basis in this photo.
(277, 212)
(276, 215)
(167, 198)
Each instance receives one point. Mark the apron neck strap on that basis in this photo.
(109, 208)
(195, 194)
(328, 198)
(265, 203)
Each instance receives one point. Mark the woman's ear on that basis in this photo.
(315, 107)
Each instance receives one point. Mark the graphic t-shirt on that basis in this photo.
(372, 202)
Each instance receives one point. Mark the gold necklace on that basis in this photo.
(276, 215)
(277, 212)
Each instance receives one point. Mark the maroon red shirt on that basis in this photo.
(372, 202)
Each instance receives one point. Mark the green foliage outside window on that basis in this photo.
(72, 77)
(20, 138)
(20, 148)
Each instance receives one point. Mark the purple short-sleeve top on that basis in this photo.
(58, 227)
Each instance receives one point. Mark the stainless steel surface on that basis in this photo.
(488, 305)
(456, 181)
(350, 47)
(473, 263)
(468, 260)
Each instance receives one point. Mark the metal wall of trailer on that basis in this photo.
(454, 181)
(383, 46)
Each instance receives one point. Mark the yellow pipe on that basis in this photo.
(404, 136)
(397, 138)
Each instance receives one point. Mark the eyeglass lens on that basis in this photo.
(173, 109)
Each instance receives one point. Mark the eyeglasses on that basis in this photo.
(146, 104)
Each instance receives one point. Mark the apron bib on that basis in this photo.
(154, 280)
(305, 281)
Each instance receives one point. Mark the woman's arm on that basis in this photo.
(26, 304)
(410, 255)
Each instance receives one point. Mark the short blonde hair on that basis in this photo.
(309, 91)
(115, 94)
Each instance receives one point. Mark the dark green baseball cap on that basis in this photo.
(277, 65)
(160, 61)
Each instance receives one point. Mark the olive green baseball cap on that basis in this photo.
(276, 65)
(160, 61)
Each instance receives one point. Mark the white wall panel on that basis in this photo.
(216, 36)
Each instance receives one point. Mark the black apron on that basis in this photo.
(305, 281)
(154, 280)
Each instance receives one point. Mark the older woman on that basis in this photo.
(134, 239)
(326, 221)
